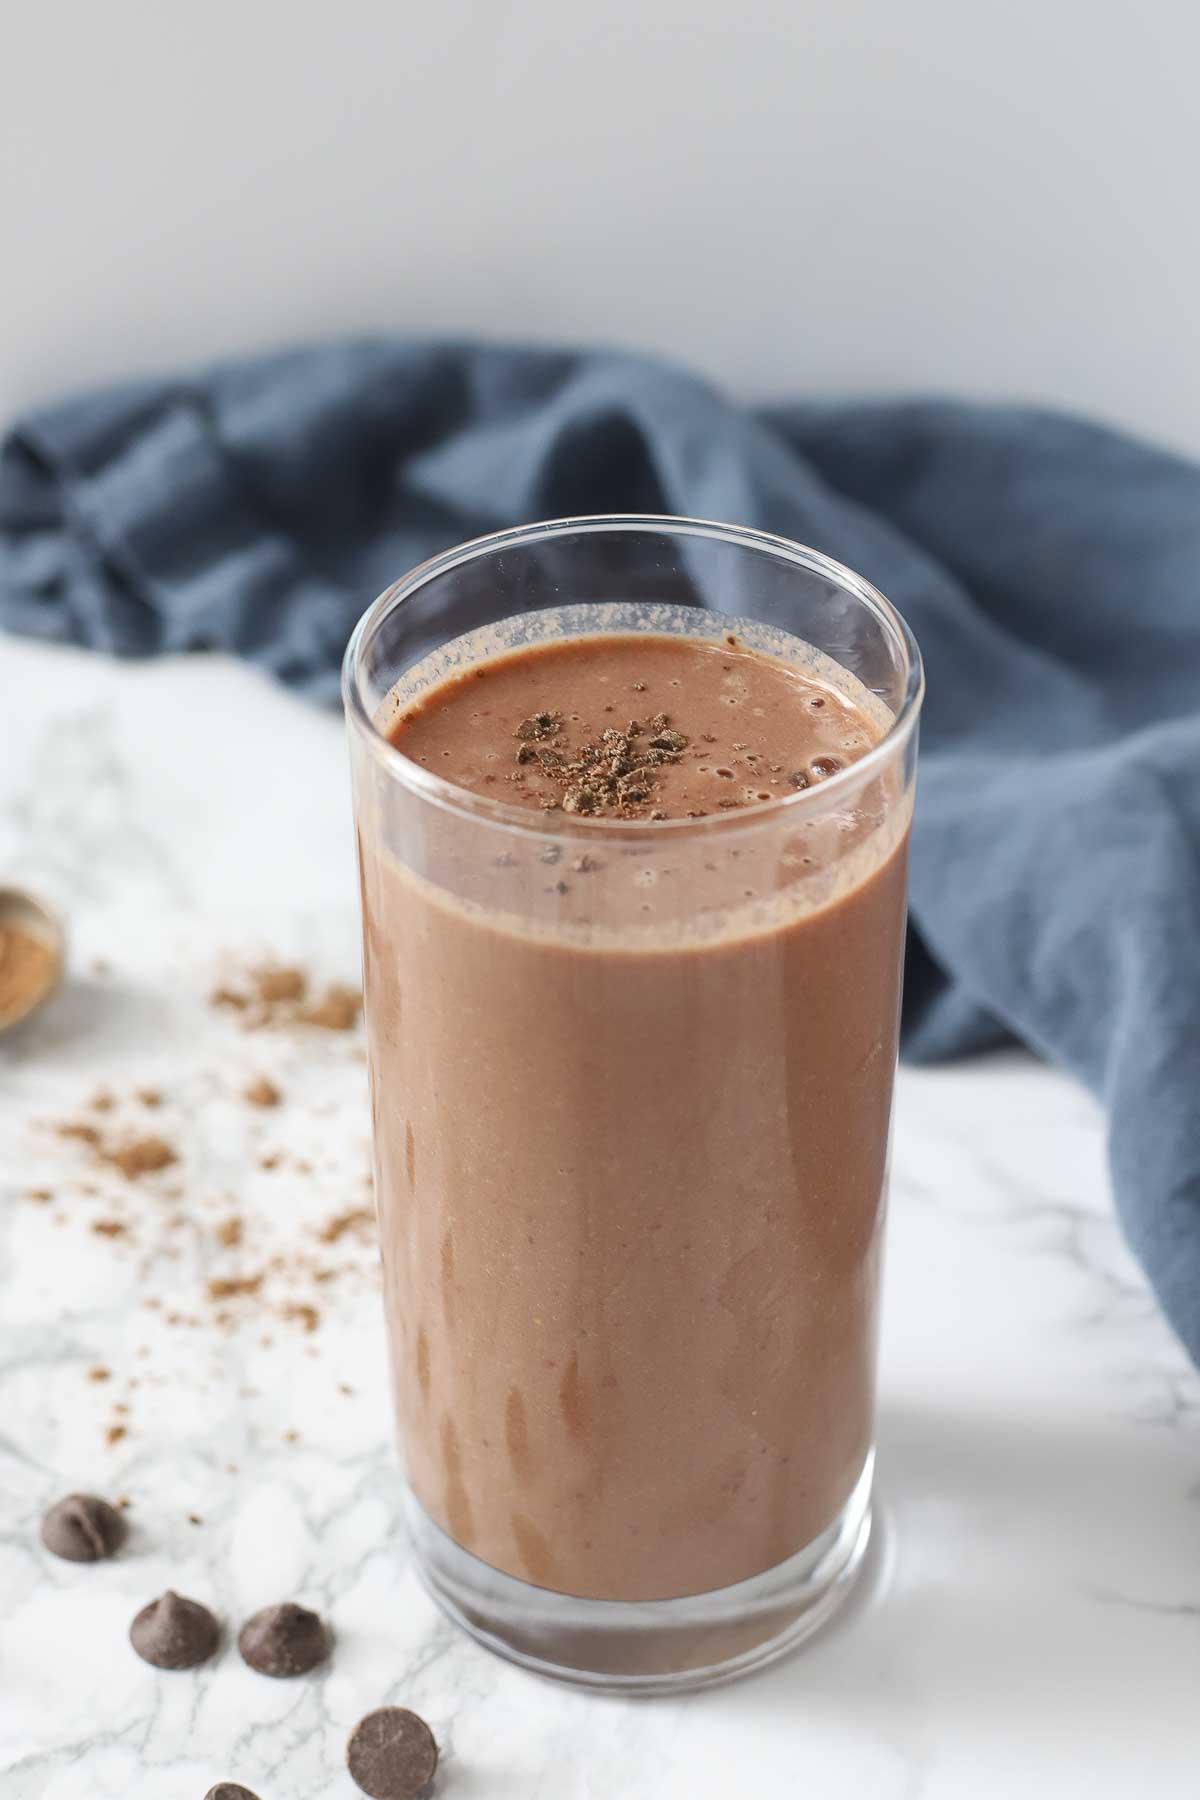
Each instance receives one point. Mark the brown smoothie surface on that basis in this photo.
(631, 1106)
(633, 726)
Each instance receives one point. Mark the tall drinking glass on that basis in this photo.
(631, 1085)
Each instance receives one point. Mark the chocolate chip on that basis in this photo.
(283, 1640)
(174, 1633)
(229, 1790)
(83, 1528)
(538, 725)
(392, 1754)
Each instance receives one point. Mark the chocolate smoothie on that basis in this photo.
(631, 1083)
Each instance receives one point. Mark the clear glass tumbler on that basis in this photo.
(631, 1158)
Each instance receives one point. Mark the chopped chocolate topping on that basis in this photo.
(612, 773)
(539, 725)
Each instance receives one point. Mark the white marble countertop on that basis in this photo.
(1031, 1621)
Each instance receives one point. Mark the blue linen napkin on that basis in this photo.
(1050, 570)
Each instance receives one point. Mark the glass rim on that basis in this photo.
(482, 807)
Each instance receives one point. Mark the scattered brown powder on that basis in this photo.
(277, 994)
(337, 1010)
(230, 997)
(41, 1195)
(27, 966)
(115, 1433)
(274, 984)
(261, 1092)
(272, 995)
(141, 1156)
(137, 1156)
(195, 1519)
(357, 1218)
(86, 1134)
(228, 1287)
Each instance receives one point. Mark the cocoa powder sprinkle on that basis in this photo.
(141, 1156)
(337, 1010)
(86, 1134)
(274, 983)
(26, 970)
(229, 1287)
(261, 1092)
(357, 1218)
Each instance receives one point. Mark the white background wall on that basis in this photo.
(798, 196)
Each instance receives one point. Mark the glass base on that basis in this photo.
(652, 1646)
